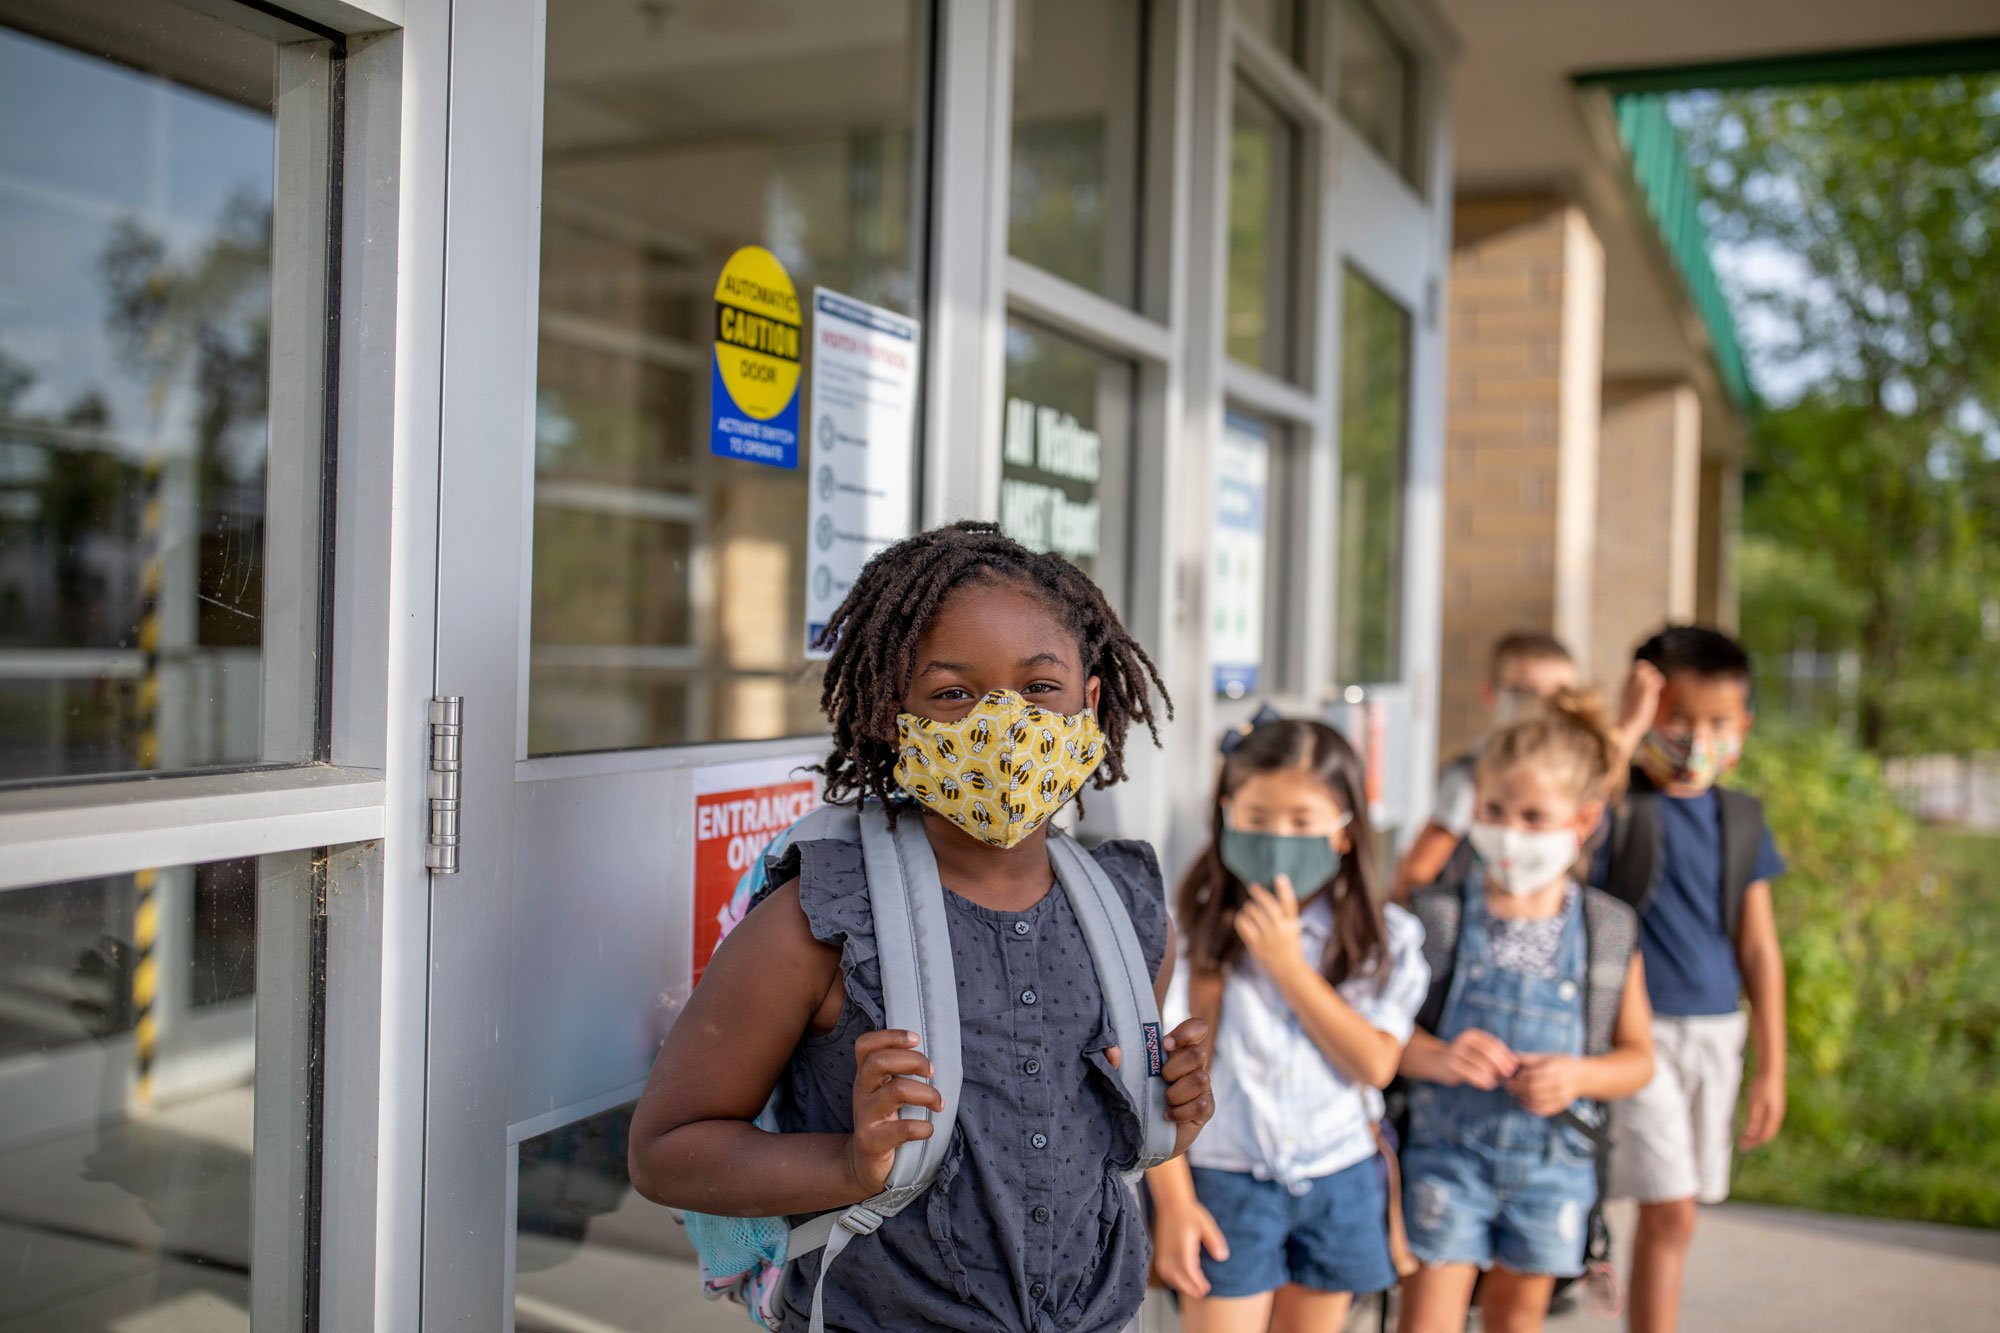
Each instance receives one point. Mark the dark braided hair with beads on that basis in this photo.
(873, 638)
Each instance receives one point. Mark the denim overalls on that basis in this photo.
(1485, 1181)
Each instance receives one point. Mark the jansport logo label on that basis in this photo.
(1155, 1057)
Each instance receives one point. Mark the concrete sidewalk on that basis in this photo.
(145, 1228)
(1777, 1270)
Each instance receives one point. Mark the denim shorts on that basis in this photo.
(1333, 1237)
(1466, 1205)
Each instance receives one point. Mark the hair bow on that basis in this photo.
(1236, 735)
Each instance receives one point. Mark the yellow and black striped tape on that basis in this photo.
(146, 752)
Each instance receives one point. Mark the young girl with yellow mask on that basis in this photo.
(977, 687)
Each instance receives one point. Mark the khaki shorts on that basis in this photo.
(1673, 1138)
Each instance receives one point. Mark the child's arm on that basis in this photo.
(1548, 1084)
(1763, 967)
(1182, 1228)
(1269, 926)
(692, 1143)
(1424, 862)
(1638, 702)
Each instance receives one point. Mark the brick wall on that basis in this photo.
(1648, 517)
(1523, 372)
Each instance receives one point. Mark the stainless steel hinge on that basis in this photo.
(441, 851)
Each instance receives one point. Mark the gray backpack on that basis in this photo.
(920, 995)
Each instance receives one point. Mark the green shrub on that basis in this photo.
(1889, 934)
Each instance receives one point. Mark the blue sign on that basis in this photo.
(732, 433)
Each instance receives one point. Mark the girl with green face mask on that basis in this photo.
(1311, 987)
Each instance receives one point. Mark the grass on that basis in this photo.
(1905, 1120)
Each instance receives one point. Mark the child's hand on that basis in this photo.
(1268, 925)
(1480, 1060)
(1766, 1114)
(1180, 1234)
(888, 1066)
(1545, 1084)
(1189, 1101)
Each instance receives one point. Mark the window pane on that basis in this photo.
(1375, 78)
(1374, 445)
(1249, 484)
(1263, 190)
(128, 1196)
(1078, 98)
(136, 226)
(591, 1254)
(669, 584)
(1067, 433)
(1276, 21)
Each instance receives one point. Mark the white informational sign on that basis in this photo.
(863, 445)
(1236, 569)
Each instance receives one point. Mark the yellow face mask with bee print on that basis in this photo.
(1000, 771)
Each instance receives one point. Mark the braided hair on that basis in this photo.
(873, 638)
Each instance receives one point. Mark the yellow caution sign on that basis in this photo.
(754, 392)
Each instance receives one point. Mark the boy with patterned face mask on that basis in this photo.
(1697, 860)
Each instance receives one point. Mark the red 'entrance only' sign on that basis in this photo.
(731, 830)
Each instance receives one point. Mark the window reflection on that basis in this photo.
(1375, 80)
(127, 1056)
(1066, 438)
(1263, 190)
(590, 1253)
(1374, 454)
(1078, 97)
(135, 263)
(669, 584)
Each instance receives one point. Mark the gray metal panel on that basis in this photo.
(49, 834)
(491, 265)
(384, 605)
(602, 925)
(281, 1189)
(294, 474)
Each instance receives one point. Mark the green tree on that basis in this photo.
(1864, 220)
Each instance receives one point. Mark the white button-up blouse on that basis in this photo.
(1283, 1112)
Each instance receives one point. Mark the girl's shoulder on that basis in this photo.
(1133, 868)
(832, 886)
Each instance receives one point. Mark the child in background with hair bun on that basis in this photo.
(1311, 985)
(1537, 1017)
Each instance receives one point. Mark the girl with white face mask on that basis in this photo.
(1515, 1053)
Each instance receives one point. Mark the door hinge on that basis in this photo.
(441, 851)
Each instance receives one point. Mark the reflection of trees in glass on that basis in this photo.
(73, 486)
(209, 319)
(1374, 363)
(1251, 171)
(1056, 202)
(1261, 150)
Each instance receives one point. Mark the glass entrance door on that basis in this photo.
(624, 589)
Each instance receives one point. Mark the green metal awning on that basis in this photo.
(1667, 184)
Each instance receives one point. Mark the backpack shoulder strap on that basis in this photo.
(920, 994)
(1439, 909)
(1637, 836)
(1128, 991)
(1610, 933)
(1742, 840)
